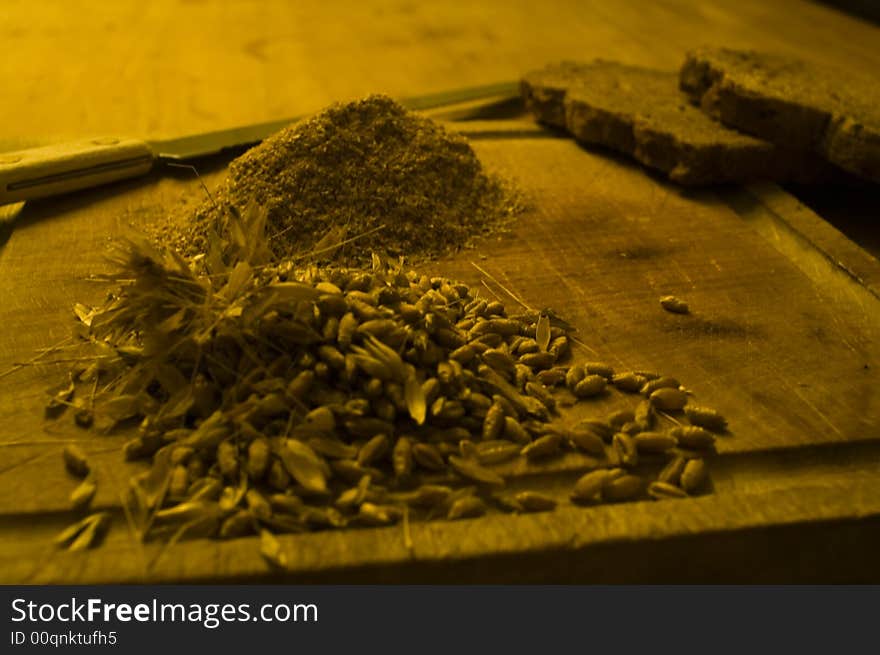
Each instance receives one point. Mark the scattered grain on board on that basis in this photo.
(674, 305)
(247, 409)
(82, 496)
(76, 461)
(274, 393)
(85, 533)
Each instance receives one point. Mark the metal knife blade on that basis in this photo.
(56, 169)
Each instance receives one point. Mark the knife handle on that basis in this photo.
(55, 169)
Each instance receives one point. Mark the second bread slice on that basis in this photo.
(833, 112)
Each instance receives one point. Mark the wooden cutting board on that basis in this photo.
(783, 338)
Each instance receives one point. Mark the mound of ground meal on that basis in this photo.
(370, 175)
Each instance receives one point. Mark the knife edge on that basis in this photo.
(55, 169)
(212, 143)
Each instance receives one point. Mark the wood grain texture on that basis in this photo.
(172, 67)
(824, 532)
(776, 346)
(602, 247)
(811, 228)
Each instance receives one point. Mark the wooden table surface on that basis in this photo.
(171, 67)
(784, 337)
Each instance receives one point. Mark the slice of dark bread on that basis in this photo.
(642, 113)
(789, 101)
(543, 90)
